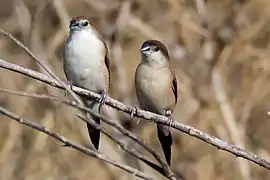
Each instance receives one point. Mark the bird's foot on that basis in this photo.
(133, 111)
(70, 85)
(168, 113)
(103, 97)
(171, 121)
(65, 145)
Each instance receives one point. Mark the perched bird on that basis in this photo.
(156, 88)
(86, 65)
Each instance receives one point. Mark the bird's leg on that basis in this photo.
(171, 121)
(133, 111)
(70, 85)
(103, 97)
(168, 114)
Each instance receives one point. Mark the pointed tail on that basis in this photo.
(165, 139)
(93, 133)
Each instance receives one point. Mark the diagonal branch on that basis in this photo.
(96, 96)
(165, 171)
(102, 129)
(222, 145)
(73, 145)
(39, 62)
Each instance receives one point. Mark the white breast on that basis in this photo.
(83, 56)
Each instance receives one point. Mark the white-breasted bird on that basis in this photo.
(86, 65)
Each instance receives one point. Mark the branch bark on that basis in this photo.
(164, 170)
(167, 171)
(40, 63)
(148, 116)
(73, 145)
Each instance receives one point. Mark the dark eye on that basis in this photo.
(85, 23)
(156, 49)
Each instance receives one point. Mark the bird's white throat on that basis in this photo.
(85, 45)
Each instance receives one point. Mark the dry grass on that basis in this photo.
(219, 49)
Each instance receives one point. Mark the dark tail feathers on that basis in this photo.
(165, 139)
(93, 133)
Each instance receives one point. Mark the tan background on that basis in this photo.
(218, 48)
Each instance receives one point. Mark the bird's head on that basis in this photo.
(154, 51)
(81, 23)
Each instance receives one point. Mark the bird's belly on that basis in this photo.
(85, 74)
(153, 92)
(152, 89)
(91, 79)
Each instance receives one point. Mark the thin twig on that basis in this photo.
(118, 105)
(73, 145)
(229, 119)
(43, 65)
(164, 165)
(222, 145)
(95, 125)
(123, 87)
(123, 146)
(165, 171)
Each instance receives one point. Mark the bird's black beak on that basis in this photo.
(73, 23)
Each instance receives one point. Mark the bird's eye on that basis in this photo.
(156, 49)
(85, 23)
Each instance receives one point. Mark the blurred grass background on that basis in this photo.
(220, 53)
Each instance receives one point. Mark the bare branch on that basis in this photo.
(73, 145)
(222, 145)
(165, 166)
(123, 146)
(95, 125)
(164, 170)
(81, 91)
(43, 65)
(229, 118)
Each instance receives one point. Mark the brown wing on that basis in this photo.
(107, 60)
(174, 88)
